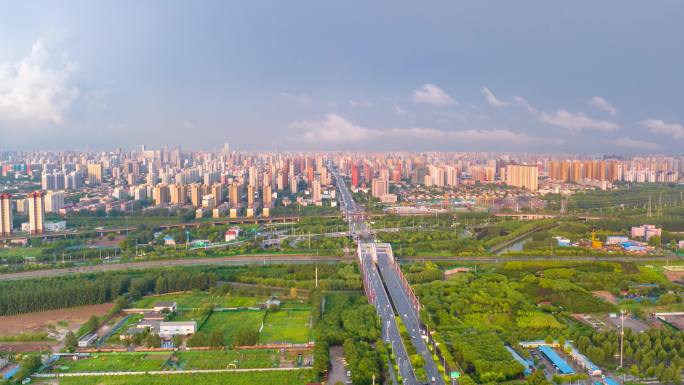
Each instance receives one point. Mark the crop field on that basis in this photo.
(227, 359)
(114, 362)
(291, 326)
(232, 321)
(290, 377)
(189, 300)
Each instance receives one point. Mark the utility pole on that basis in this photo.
(648, 212)
(660, 203)
(622, 333)
(316, 276)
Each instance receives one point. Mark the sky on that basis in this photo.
(580, 76)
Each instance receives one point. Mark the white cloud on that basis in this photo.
(336, 129)
(577, 121)
(634, 143)
(521, 101)
(299, 98)
(333, 128)
(657, 126)
(431, 94)
(491, 98)
(37, 88)
(603, 105)
(400, 111)
(360, 103)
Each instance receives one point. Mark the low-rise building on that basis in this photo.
(161, 306)
(87, 340)
(182, 328)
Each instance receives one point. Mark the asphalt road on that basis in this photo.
(390, 329)
(408, 315)
(380, 297)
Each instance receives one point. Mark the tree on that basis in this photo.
(28, 366)
(177, 340)
(93, 324)
(634, 371)
(245, 337)
(153, 340)
(70, 341)
(654, 241)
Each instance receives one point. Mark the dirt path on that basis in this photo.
(37, 322)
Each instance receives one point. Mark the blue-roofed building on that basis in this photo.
(527, 364)
(582, 360)
(561, 365)
(610, 381)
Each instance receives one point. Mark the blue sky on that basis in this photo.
(580, 76)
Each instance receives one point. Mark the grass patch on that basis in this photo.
(113, 362)
(292, 377)
(190, 300)
(228, 359)
(232, 321)
(286, 326)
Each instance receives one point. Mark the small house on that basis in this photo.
(162, 306)
(182, 328)
(87, 340)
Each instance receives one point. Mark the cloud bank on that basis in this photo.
(38, 88)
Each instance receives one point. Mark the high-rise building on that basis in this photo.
(355, 176)
(177, 194)
(219, 193)
(379, 188)
(522, 176)
(234, 196)
(196, 194)
(36, 212)
(54, 201)
(250, 196)
(5, 215)
(267, 196)
(161, 194)
(316, 188)
(95, 172)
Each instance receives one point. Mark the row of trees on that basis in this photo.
(655, 353)
(25, 296)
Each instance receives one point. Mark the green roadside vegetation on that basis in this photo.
(181, 360)
(284, 377)
(348, 320)
(475, 314)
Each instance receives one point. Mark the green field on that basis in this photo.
(227, 359)
(286, 326)
(291, 377)
(20, 251)
(189, 300)
(117, 362)
(232, 321)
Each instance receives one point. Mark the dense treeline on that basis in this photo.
(25, 296)
(652, 354)
(476, 315)
(349, 321)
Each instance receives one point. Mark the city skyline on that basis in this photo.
(584, 78)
